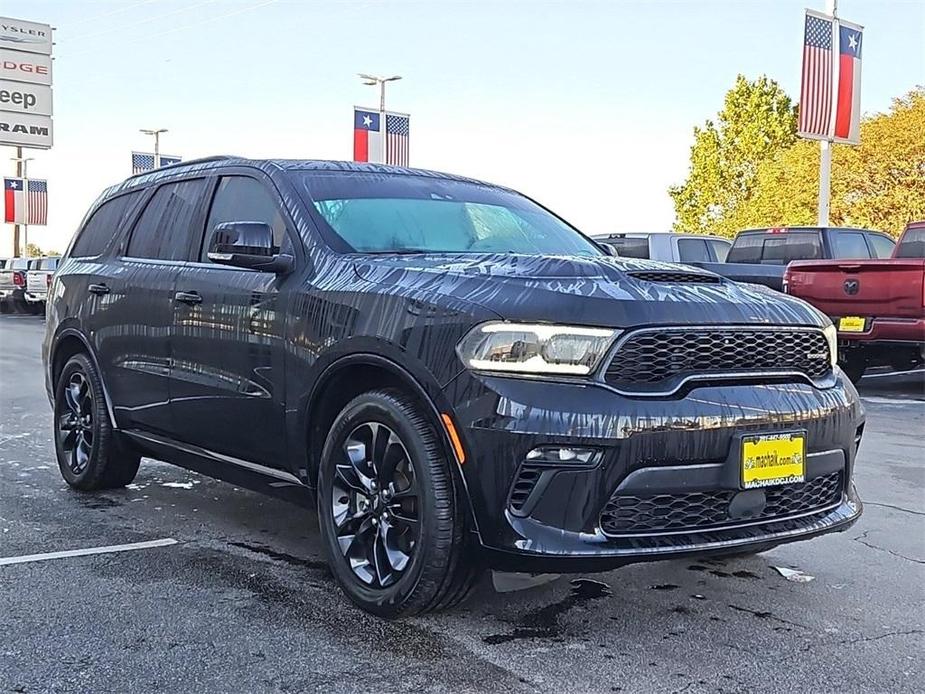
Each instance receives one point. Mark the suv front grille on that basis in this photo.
(700, 511)
(650, 358)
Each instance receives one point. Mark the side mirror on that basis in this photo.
(247, 245)
(608, 248)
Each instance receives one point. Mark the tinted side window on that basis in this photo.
(850, 245)
(746, 249)
(103, 225)
(243, 199)
(882, 246)
(720, 249)
(166, 227)
(693, 251)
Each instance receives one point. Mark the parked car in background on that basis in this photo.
(13, 284)
(878, 306)
(459, 377)
(38, 280)
(759, 256)
(672, 247)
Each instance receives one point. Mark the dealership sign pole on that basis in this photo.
(25, 92)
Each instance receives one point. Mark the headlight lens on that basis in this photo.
(535, 349)
(831, 334)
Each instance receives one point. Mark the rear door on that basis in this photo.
(228, 380)
(136, 291)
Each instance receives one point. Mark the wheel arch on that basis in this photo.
(66, 344)
(357, 373)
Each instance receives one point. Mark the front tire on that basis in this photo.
(393, 529)
(89, 455)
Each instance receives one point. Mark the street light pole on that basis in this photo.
(157, 143)
(825, 146)
(371, 81)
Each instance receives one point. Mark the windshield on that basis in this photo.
(376, 213)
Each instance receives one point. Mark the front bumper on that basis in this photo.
(685, 446)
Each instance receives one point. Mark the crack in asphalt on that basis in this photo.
(863, 536)
(888, 634)
(767, 615)
(895, 508)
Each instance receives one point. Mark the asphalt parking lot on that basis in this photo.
(243, 602)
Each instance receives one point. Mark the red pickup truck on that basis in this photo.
(878, 306)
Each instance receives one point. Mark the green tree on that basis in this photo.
(878, 184)
(757, 121)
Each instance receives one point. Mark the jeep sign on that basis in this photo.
(22, 130)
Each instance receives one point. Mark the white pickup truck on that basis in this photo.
(38, 280)
(670, 247)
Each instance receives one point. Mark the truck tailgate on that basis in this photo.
(878, 288)
(36, 281)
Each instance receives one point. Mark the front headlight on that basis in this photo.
(831, 334)
(535, 349)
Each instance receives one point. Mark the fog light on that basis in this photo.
(563, 454)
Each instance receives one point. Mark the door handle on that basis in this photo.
(98, 289)
(189, 298)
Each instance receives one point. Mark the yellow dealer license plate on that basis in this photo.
(773, 459)
(851, 324)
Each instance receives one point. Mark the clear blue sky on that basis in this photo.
(587, 106)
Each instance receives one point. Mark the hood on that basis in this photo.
(600, 291)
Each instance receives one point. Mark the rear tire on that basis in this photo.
(393, 529)
(89, 454)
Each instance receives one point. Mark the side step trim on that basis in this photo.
(219, 457)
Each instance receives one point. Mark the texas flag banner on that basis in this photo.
(367, 136)
(848, 95)
(22, 207)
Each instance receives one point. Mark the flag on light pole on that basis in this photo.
(397, 135)
(367, 136)
(830, 91)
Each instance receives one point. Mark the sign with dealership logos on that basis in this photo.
(30, 37)
(26, 104)
(22, 130)
(31, 68)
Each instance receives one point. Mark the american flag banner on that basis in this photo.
(816, 87)
(25, 202)
(142, 162)
(397, 132)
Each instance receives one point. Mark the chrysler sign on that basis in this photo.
(25, 84)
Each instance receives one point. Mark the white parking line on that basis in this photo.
(895, 373)
(84, 552)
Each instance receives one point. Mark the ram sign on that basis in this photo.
(25, 84)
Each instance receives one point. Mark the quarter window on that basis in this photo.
(243, 199)
(881, 245)
(166, 227)
(103, 225)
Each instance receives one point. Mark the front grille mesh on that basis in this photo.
(651, 357)
(677, 277)
(699, 511)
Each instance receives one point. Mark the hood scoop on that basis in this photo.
(675, 277)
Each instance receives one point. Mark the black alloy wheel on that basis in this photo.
(75, 426)
(374, 504)
(393, 524)
(90, 454)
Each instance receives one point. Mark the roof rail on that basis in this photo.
(201, 160)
